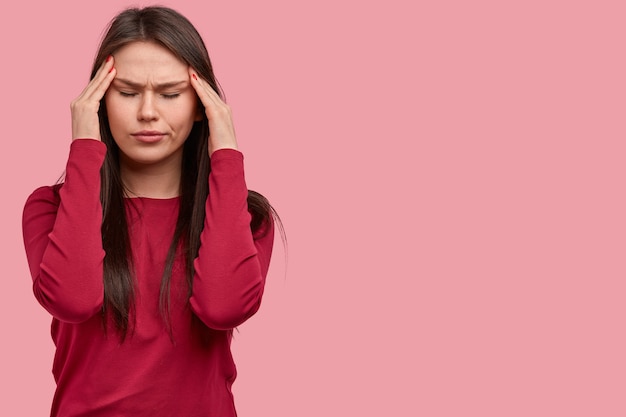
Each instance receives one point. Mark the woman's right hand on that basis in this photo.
(85, 123)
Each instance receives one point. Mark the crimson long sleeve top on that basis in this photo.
(148, 374)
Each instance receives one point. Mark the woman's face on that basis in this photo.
(151, 105)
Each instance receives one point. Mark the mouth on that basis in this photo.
(148, 136)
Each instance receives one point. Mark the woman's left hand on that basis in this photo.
(221, 128)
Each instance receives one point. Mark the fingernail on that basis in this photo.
(108, 58)
(194, 76)
(111, 69)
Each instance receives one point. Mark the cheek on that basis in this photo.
(114, 113)
(185, 112)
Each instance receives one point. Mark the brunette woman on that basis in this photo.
(152, 249)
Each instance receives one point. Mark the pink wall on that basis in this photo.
(451, 177)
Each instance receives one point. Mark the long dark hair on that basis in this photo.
(170, 29)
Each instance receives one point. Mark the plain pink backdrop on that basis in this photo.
(450, 175)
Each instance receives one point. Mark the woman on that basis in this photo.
(152, 250)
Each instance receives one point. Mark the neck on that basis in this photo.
(162, 181)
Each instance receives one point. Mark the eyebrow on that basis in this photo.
(133, 84)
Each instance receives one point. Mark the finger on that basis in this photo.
(218, 114)
(101, 88)
(105, 70)
(102, 75)
(215, 108)
(205, 92)
(104, 67)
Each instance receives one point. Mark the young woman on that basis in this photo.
(153, 249)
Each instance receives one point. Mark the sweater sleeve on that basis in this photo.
(62, 237)
(232, 262)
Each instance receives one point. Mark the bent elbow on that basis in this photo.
(72, 314)
(76, 316)
(224, 318)
(75, 309)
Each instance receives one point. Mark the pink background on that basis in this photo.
(451, 177)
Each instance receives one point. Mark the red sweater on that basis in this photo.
(147, 374)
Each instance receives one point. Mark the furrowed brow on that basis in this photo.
(170, 84)
(161, 86)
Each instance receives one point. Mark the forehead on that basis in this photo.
(142, 61)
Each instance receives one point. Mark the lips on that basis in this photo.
(148, 136)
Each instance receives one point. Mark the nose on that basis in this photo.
(147, 110)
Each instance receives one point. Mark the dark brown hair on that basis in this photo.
(170, 29)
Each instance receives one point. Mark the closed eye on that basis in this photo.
(166, 96)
